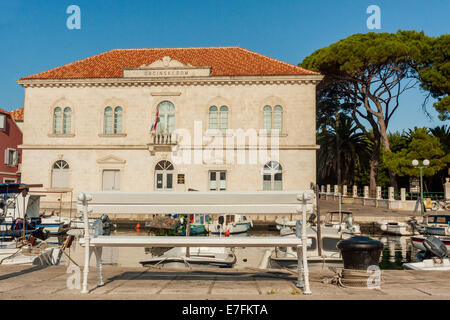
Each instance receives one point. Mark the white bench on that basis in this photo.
(262, 202)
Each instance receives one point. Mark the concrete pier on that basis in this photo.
(33, 282)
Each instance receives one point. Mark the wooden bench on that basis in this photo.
(262, 202)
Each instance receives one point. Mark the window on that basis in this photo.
(112, 122)
(11, 157)
(218, 118)
(67, 120)
(60, 174)
(62, 120)
(217, 180)
(7, 180)
(272, 176)
(57, 116)
(164, 175)
(273, 120)
(111, 180)
(166, 122)
(2, 122)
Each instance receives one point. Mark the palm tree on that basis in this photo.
(341, 145)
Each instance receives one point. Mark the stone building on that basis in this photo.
(222, 118)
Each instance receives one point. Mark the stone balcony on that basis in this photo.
(162, 141)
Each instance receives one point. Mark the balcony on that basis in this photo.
(162, 141)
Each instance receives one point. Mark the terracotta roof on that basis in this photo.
(17, 114)
(4, 111)
(225, 61)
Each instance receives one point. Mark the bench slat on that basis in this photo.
(167, 241)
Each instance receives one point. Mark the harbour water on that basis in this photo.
(397, 250)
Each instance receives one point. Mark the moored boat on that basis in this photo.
(204, 257)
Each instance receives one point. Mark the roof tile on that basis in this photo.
(224, 61)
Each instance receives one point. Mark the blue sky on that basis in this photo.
(34, 36)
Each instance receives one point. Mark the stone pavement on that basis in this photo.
(35, 282)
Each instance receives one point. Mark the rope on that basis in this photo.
(350, 278)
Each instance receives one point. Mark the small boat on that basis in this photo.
(286, 257)
(428, 264)
(339, 220)
(230, 224)
(435, 256)
(438, 224)
(204, 257)
(397, 228)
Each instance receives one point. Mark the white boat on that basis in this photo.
(230, 224)
(205, 257)
(397, 228)
(330, 255)
(429, 264)
(340, 221)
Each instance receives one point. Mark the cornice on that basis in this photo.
(145, 147)
(173, 81)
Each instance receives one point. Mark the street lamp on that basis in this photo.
(425, 163)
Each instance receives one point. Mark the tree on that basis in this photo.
(420, 145)
(433, 69)
(370, 72)
(348, 152)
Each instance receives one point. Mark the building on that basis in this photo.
(10, 139)
(91, 124)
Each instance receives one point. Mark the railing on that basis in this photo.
(163, 138)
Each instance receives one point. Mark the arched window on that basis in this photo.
(267, 117)
(213, 115)
(113, 122)
(60, 174)
(272, 176)
(166, 117)
(273, 120)
(57, 118)
(164, 175)
(223, 118)
(67, 120)
(218, 118)
(278, 118)
(118, 120)
(108, 121)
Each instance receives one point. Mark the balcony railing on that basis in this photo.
(163, 138)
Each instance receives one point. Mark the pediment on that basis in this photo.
(165, 62)
(111, 160)
(167, 67)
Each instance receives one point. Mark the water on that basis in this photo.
(397, 250)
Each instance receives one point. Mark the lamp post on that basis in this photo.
(425, 163)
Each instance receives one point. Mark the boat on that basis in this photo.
(339, 220)
(397, 228)
(204, 257)
(230, 224)
(286, 257)
(435, 256)
(438, 224)
(428, 264)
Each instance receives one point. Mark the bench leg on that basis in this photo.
(299, 267)
(87, 255)
(98, 258)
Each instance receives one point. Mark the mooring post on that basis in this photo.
(83, 198)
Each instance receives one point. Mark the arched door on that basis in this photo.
(164, 175)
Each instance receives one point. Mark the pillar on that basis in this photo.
(355, 191)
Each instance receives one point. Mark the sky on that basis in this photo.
(34, 36)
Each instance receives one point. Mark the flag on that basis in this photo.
(156, 122)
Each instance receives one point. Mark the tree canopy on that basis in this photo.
(365, 75)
